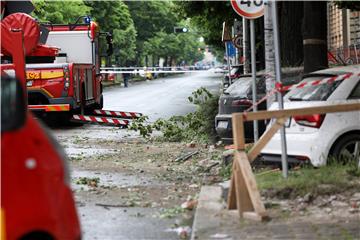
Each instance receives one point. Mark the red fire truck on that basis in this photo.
(36, 198)
(65, 78)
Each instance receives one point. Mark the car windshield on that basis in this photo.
(313, 93)
(239, 87)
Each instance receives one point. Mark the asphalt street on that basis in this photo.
(161, 98)
(101, 152)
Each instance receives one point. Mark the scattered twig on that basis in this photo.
(211, 166)
(108, 206)
(186, 156)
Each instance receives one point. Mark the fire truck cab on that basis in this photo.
(36, 197)
(68, 80)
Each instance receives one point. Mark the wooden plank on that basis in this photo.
(260, 115)
(238, 132)
(231, 201)
(254, 216)
(265, 138)
(250, 182)
(243, 201)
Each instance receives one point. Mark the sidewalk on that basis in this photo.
(214, 221)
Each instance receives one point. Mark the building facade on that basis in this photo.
(343, 27)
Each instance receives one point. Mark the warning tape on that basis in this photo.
(313, 83)
(280, 88)
(105, 120)
(117, 113)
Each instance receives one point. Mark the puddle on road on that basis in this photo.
(111, 179)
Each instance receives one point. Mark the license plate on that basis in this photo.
(29, 83)
(222, 124)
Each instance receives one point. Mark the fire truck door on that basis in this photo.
(89, 88)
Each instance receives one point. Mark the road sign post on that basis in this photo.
(284, 160)
(251, 10)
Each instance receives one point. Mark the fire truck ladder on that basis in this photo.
(107, 117)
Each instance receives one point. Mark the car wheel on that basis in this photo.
(347, 149)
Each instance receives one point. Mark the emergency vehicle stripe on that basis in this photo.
(96, 119)
(50, 108)
(117, 113)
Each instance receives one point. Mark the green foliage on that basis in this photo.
(114, 16)
(208, 16)
(59, 11)
(141, 29)
(179, 47)
(198, 125)
(150, 18)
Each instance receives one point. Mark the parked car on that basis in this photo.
(235, 72)
(316, 137)
(238, 98)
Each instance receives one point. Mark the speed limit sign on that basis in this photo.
(249, 9)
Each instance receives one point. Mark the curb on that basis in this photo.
(210, 206)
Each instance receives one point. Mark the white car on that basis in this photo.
(317, 137)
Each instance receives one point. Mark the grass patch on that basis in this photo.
(331, 179)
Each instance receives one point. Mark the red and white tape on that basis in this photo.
(327, 80)
(94, 119)
(280, 88)
(117, 113)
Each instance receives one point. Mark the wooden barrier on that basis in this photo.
(243, 193)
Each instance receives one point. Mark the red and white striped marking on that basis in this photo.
(117, 113)
(94, 119)
(315, 82)
(280, 88)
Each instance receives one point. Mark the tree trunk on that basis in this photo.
(246, 43)
(315, 36)
(269, 54)
(291, 17)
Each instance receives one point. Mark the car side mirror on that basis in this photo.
(13, 107)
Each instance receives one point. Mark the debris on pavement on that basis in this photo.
(220, 236)
(92, 182)
(189, 204)
(183, 231)
(186, 156)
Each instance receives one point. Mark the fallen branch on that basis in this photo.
(108, 206)
(186, 156)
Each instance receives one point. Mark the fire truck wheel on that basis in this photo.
(37, 236)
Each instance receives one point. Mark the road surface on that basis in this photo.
(136, 180)
(161, 98)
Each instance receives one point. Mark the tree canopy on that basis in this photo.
(114, 16)
(59, 11)
(141, 30)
